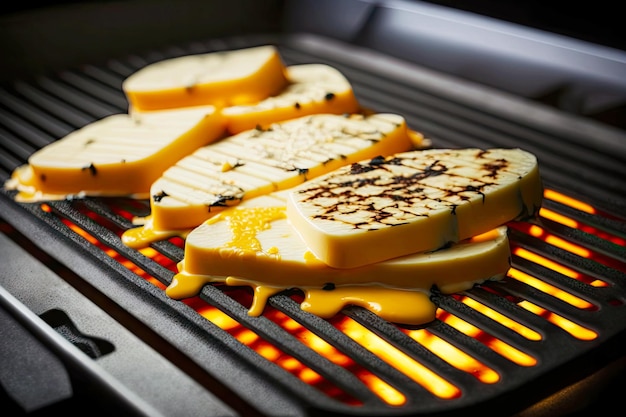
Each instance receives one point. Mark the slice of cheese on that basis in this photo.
(223, 78)
(414, 201)
(312, 89)
(119, 155)
(254, 244)
(257, 162)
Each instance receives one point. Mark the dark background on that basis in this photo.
(597, 21)
(594, 21)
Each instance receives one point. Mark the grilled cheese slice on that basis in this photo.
(254, 244)
(259, 161)
(224, 78)
(415, 201)
(312, 89)
(119, 155)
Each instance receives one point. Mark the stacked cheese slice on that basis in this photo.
(419, 201)
(380, 233)
(176, 106)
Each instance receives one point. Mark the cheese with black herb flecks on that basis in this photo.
(312, 89)
(119, 155)
(259, 161)
(221, 78)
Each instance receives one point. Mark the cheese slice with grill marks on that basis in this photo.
(312, 89)
(414, 201)
(259, 161)
(119, 155)
(254, 244)
(223, 78)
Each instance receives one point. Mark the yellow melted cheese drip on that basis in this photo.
(410, 306)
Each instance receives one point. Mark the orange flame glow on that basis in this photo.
(581, 206)
(559, 218)
(555, 266)
(276, 355)
(399, 360)
(502, 319)
(492, 342)
(541, 260)
(384, 390)
(550, 289)
(454, 356)
(559, 243)
(572, 328)
(568, 201)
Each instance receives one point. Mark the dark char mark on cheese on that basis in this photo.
(159, 196)
(403, 190)
(301, 171)
(495, 166)
(92, 169)
(222, 200)
(239, 163)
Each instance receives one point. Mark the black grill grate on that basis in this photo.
(578, 158)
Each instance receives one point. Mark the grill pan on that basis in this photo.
(578, 157)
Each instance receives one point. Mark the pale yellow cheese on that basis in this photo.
(312, 89)
(224, 78)
(119, 155)
(254, 244)
(414, 201)
(257, 162)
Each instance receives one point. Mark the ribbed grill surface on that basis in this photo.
(578, 159)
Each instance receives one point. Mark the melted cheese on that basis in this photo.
(414, 201)
(257, 162)
(312, 89)
(254, 244)
(224, 78)
(119, 155)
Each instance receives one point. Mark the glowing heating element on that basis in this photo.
(453, 355)
(555, 266)
(569, 326)
(514, 355)
(568, 201)
(412, 368)
(567, 221)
